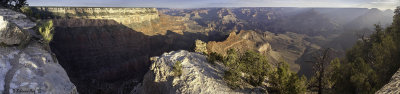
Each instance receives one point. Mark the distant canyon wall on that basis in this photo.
(124, 16)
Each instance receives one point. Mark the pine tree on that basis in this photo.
(370, 63)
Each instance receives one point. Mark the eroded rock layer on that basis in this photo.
(121, 15)
(393, 87)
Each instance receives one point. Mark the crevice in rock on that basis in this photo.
(10, 73)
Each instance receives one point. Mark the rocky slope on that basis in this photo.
(198, 76)
(25, 66)
(289, 46)
(393, 86)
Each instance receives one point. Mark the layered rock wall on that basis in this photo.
(121, 15)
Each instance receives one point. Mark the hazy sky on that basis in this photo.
(383, 4)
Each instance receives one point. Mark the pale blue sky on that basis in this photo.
(383, 4)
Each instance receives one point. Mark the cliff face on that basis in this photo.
(198, 76)
(107, 50)
(25, 66)
(103, 56)
(120, 15)
(393, 86)
(146, 20)
(289, 46)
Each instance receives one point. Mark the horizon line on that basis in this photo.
(210, 7)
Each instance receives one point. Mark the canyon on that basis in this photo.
(108, 50)
(26, 66)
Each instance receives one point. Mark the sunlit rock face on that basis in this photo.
(198, 76)
(120, 15)
(25, 66)
(146, 20)
(12, 25)
(32, 70)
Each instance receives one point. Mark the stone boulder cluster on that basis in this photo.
(30, 68)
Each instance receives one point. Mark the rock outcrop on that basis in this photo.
(30, 69)
(288, 46)
(12, 25)
(198, 76)
(393, 87)
(201, 47)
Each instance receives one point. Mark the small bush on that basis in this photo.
(177, 69)
(46, 30)
(232, 78)
(26, 10)
(283, 81)
(253, 65)
(212, 57)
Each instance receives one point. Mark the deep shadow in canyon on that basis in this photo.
(104, 56)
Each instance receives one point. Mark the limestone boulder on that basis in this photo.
(198, 76)
(10, 33)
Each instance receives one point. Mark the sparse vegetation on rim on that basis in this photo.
(177, 69)
(46, 30)
(252, 68)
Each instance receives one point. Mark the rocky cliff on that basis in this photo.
(393, 86)
(25, 66)
(287, 46)
(103, 56)
(121, 15)
(146, 20)
(198, 76)
(107, 50)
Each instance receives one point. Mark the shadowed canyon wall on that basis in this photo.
(103, 56)
(109, 53)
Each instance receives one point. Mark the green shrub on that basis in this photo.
(252, 68)
(46, 30)
(253, 65)
(27, 11)
(232, 78)
(177, 69)
(212, 57)
(285, 82)
(256, 66)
